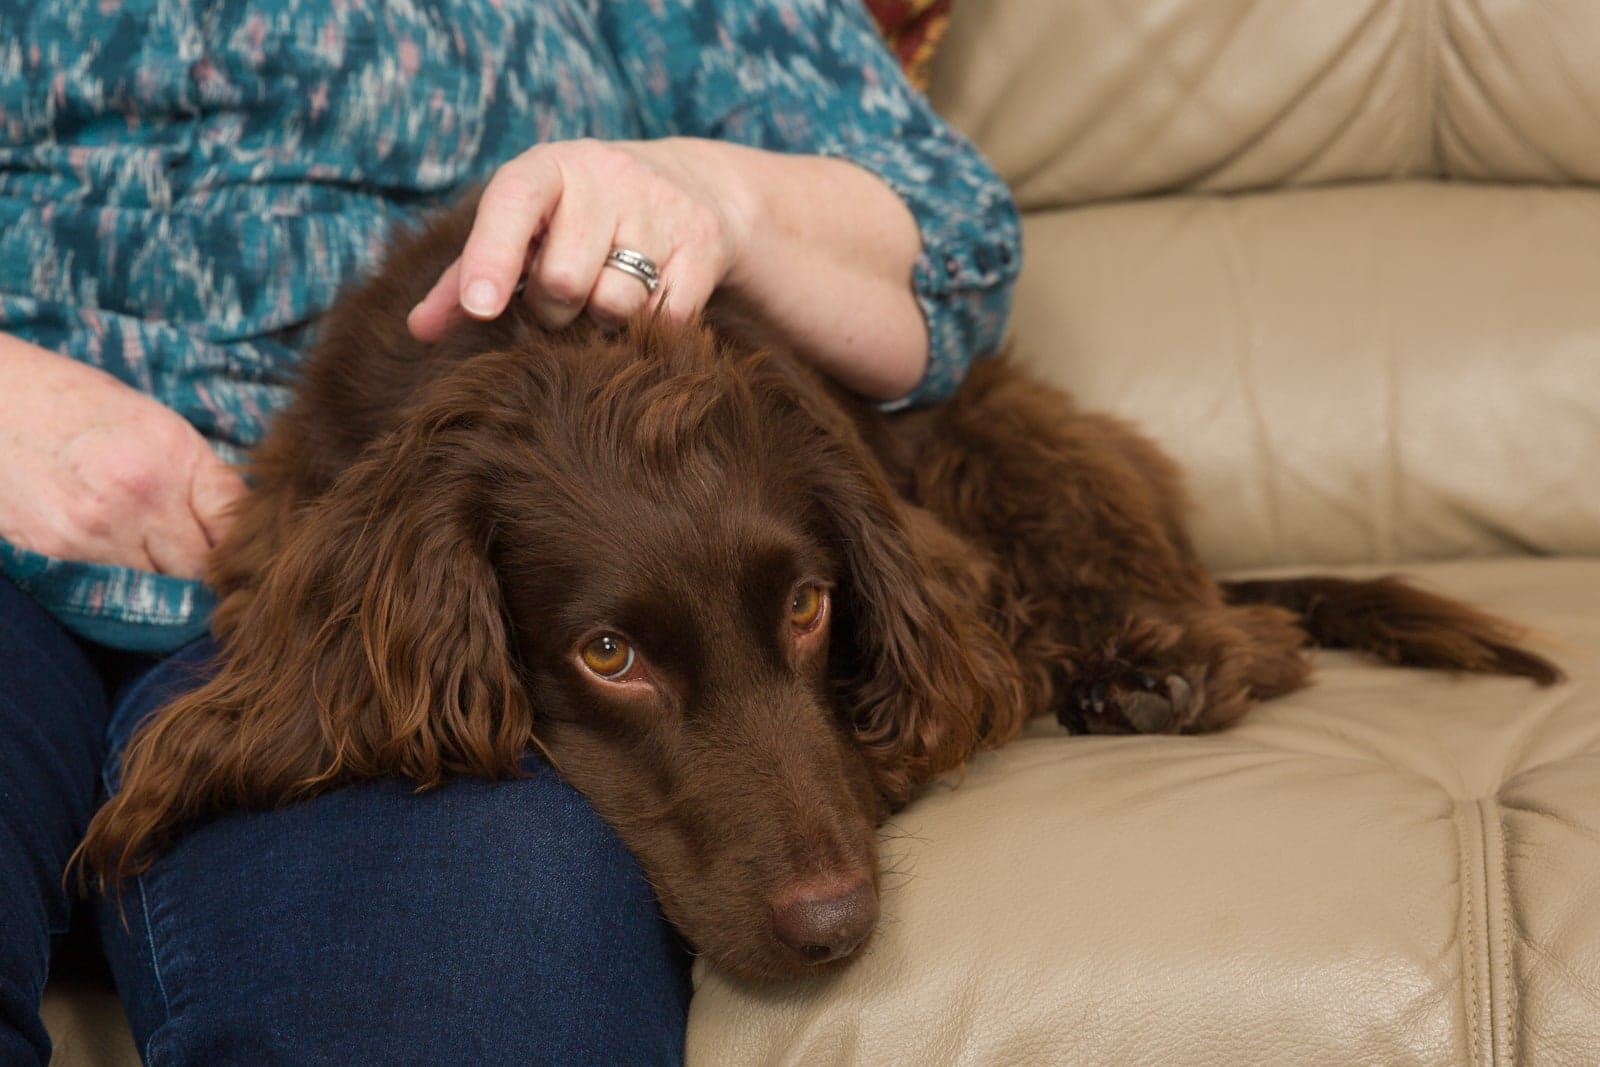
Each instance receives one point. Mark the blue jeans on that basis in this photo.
(53, 713)
(478, 923)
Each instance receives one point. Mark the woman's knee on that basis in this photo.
(481, 921)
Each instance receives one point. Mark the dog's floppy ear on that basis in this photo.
(926, 679)
(375, 643)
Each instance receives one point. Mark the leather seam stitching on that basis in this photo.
(1490, 968)
(1506, 1020)
(1469, 937)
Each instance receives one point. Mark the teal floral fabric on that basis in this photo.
(186, 185)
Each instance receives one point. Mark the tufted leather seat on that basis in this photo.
(1389, 868)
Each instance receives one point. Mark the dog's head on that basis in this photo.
(668, 563)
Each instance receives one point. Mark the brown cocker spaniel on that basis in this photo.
(747, 615)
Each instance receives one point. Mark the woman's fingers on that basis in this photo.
(440, 309)
(516, 204)
(181, 534)
(175, 547)
(214, 493)
(549, 219)
(619, 292)
(571, 253)
(179, 514)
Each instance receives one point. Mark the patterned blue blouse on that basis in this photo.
(185, 186)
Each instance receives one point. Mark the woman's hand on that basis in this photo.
(818, 249)
(548, 219)
(97, 471)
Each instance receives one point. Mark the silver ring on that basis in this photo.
(637, 264)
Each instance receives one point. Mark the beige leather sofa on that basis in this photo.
(1343, 258)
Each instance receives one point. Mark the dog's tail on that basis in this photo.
(1399, 623)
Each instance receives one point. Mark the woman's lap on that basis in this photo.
(480, 922)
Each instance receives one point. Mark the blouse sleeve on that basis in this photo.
(813, 76)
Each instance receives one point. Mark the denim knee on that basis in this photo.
(482, 922)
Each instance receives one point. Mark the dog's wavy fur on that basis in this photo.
(434, 531)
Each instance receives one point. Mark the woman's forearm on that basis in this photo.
(824, 252)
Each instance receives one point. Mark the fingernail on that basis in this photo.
(481, 298)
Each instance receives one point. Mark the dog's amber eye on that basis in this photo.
(608, 655)
(806, 606)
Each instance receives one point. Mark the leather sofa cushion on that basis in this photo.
(1390, 867)
(1357, 373)
(1081, 100)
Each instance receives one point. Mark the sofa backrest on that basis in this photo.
(1245, 229)
(1083, 100)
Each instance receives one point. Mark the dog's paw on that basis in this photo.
(1130, 701)
(1147, 676)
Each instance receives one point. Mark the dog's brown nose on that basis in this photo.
(825, 920)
